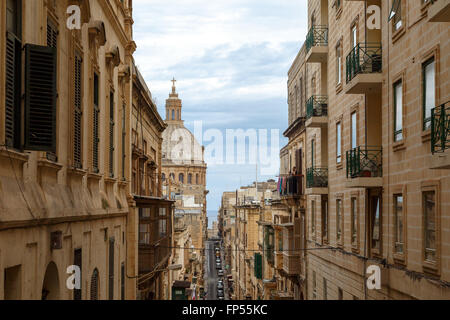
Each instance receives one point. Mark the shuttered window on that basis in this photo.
(94, 285)
(258, 265)
(77, 262)
(111, 270)
(122, 281)
(123, 141)
(95, 128)
(13, 73)
(77, 116)
(111, 134)
(52, 41)
(40, 98)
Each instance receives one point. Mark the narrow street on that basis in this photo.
(211, 272)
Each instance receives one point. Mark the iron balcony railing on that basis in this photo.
(440, 128)
(291, 186)
(317, 178)
(364, 58)
(317, 106)
(365, 162)
(317, 36)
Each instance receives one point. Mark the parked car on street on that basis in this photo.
(220, 293)
(220, 273)
(219, 285)
(218, 266)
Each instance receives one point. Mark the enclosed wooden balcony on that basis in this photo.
(291, 254)
(278, 260)
(364, 167)
(363, 69)
(317, 44)
(439, 11)
(440, 137)
(317, 112)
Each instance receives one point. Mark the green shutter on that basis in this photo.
(40, 98)
(95, 135)
(111, 135)
(77, 158)
(258, 265)
(12, 86)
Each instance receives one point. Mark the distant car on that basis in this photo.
(220, 281)
(218, 266)
(218, 260)
(219, 286)
(221, 298)
(220, 273)
(220, 293)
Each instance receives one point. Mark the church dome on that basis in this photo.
(179, 145)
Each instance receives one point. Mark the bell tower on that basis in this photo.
(173, 106)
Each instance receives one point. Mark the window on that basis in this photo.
(354, 217)
(325, 289)
(77, 117)
(398, 223)
(338, 64)
(172, 176)
(124, 133)
(95, 127)
(339, 220)
(340, 294)
(429, 212)
(398, 111)
(144, 233)
(162, 222)
(173, 114)
(111, 134)
(12, 283)
(196, 179)
(314, 285)
(163, 177)
(312, 153)
(181, 178)
(190, 178)
(338, 143)
(354, 38)
(313, 217)
(428, 94)
(376, 223)
(94, 285)
(396, 14)
(354, 137)
(111, 269)
(325, 219)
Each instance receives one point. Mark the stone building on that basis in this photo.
(63, 176)
(375, 149)
(150, 236)
(184, 181)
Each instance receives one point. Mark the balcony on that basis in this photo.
(291, 186)
(440, 141)
(278, 260)
(439, 11)
(291, 256)
(363, 69)
(317, 112)
(364, 167)
(316, 181)
(317, 44)
(281, 295)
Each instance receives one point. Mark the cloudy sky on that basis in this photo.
(231, 59)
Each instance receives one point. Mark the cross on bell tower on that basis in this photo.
(173, 105)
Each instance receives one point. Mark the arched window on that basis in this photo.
(189, 178)
(181, 178)
(173, 114)
(94, 285)
(163, 177)
(196, 179)
(172, 176)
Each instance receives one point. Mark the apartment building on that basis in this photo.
(375, 149)
(226, 225)
(150, 234)
(63, 189)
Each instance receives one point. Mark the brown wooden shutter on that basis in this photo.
(77, 262)
(77, 116)
(111, 269)
(111, 135)
(95, 135)
(94, 285)
(12, 86)
(40, 98)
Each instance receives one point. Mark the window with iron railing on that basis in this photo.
(440, 128)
